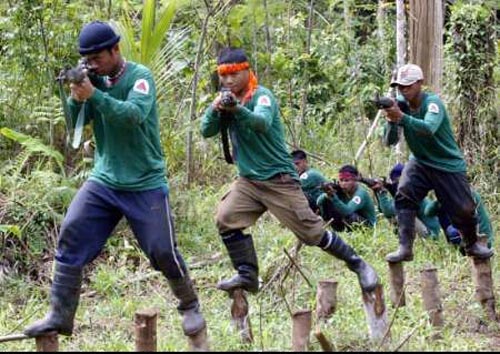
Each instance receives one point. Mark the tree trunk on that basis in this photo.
(426, 40)
(401, 54)
(400, 33)
(305, 79)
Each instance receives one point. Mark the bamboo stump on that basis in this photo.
(397, 281)
(145, 330)
(432, 296)
(376, 313)
(326, 299)
(301, 328)
(198, 342)
(325, 344)
(240, 318)
(481, 273)
(48, 342)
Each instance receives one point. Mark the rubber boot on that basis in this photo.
(406, 226)
(64, 298)
(474, 248)
(334, 245)
(244, 259)
(189, 306)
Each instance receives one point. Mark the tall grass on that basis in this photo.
(121, 282)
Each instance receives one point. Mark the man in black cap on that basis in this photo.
(436, 164)
(128, 179)
(267, 178)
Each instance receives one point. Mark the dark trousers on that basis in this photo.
(452, 191)
(97, 209)
(341, 222)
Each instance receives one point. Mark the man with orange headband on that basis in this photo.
(351, 205)
(267, 178)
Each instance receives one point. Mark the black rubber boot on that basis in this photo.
(189, 306)
(334, 245)
(242, 253)
(474, 248)
(406, 225)
(64, 298)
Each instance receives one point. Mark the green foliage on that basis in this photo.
(112, 292)
(14, 229)
(472, 59)
(348, 61)
(31, 146)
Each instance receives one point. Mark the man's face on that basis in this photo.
(105, 61)
(348, 184)
(236, 82)
(300, 165)
(410, 92)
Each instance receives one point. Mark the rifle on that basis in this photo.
(370, 182)
(227, 100)
(391, 93)
(328, 186)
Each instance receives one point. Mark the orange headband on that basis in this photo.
(224, 69)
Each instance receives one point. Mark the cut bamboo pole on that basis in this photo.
(432, 296)
(376, 313)
(239, 315)
(198, 342)
(47, 343)
(326, 299)
(326, 345)
(145, 330)
(397, 281)
(301, 329)
(481, 273)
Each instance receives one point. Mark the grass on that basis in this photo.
(121, 282)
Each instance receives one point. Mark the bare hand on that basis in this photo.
(329, 190)
(82, 91)
(217, 105)
(393, 113)
(377, 186)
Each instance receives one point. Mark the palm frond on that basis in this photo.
(157, 47)
(33, 146)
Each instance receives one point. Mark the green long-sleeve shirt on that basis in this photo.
(429, 135)
(310, 181)
(386, 206)
(483, 217)
(257, 136)
(128, 154)
(360, 202)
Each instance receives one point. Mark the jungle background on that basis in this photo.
(324, 60)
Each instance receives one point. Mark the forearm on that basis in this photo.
(127, 112)
(210, 123)
(345, 208)
(260, 119)
(386, 204)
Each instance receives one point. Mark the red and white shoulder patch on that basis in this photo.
(264, 101)
(356, 199)
(141, 86)
(433, 108)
